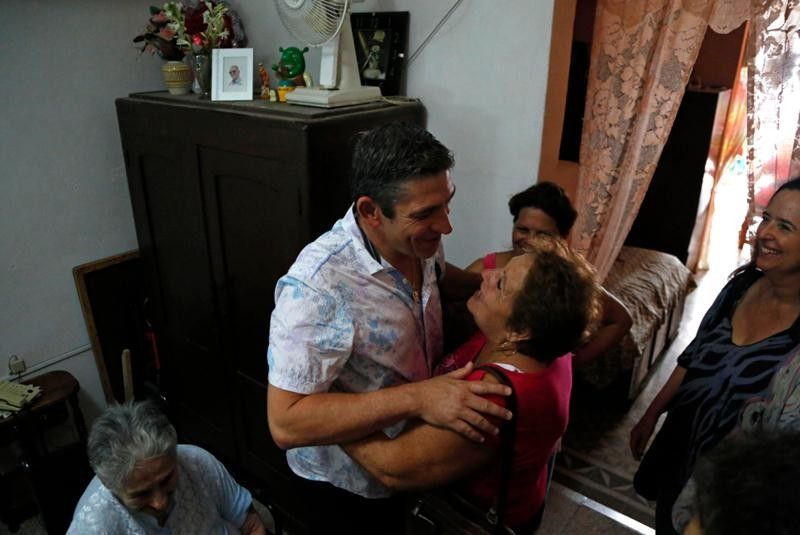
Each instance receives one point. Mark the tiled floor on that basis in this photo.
(568, 513)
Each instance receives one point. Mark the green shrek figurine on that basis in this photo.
(291, 67)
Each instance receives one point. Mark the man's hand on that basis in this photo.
(450, 402)
(252, 523)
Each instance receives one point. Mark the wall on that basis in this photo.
(719, 58)
(551, 167)
(64, 198)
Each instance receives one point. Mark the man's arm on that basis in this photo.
(614, 325)
(422, 456)
(476, 266)
(446, 401)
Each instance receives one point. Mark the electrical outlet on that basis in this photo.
(16, 364)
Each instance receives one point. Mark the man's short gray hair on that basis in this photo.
(124, 435)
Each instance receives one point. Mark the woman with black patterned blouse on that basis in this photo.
(745, 338)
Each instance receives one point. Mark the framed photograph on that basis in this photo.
(381, 40)
(232, 74)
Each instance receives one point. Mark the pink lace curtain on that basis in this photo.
(642, 55)
(773, 98)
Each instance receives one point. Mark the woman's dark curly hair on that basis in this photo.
(551, 199)
(559, 302)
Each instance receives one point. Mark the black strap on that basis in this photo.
(508, 432)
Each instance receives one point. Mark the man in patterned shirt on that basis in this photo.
(357, 329)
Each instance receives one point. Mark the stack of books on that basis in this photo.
(15, 396)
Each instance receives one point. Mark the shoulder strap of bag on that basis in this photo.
(508, 433)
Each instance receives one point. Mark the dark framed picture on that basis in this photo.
(381, 41)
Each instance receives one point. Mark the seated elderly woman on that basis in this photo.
(146, 483)
(531, 313)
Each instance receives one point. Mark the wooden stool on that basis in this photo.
(38, 465)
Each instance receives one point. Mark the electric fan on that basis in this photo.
(326, 23)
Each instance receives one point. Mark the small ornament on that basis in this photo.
(291, 67)
(283, 90)
(264, 81)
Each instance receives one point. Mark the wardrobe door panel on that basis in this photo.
(188, 324)
(256, 229)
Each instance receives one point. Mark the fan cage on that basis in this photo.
(313, 22)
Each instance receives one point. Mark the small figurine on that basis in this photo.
(291, 66)
(273, 96)
(283, 90)
(264, 81)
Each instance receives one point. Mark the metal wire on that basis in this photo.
(436, 28)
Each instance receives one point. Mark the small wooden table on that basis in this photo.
(25, 430)
(58, 387)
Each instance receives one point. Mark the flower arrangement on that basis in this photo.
(159, 38)
(190, 26)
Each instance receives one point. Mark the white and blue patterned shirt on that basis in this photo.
(207, 500)
(343, 321)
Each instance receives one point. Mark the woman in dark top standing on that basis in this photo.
(746, 336)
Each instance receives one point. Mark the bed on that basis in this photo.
(653, 285)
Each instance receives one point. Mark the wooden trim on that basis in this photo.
(550, 167)
(80, 273)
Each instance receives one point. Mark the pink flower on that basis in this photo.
(159, 18)
(197, 40)
(166, 33)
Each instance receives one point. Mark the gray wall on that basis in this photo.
(64, 199)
